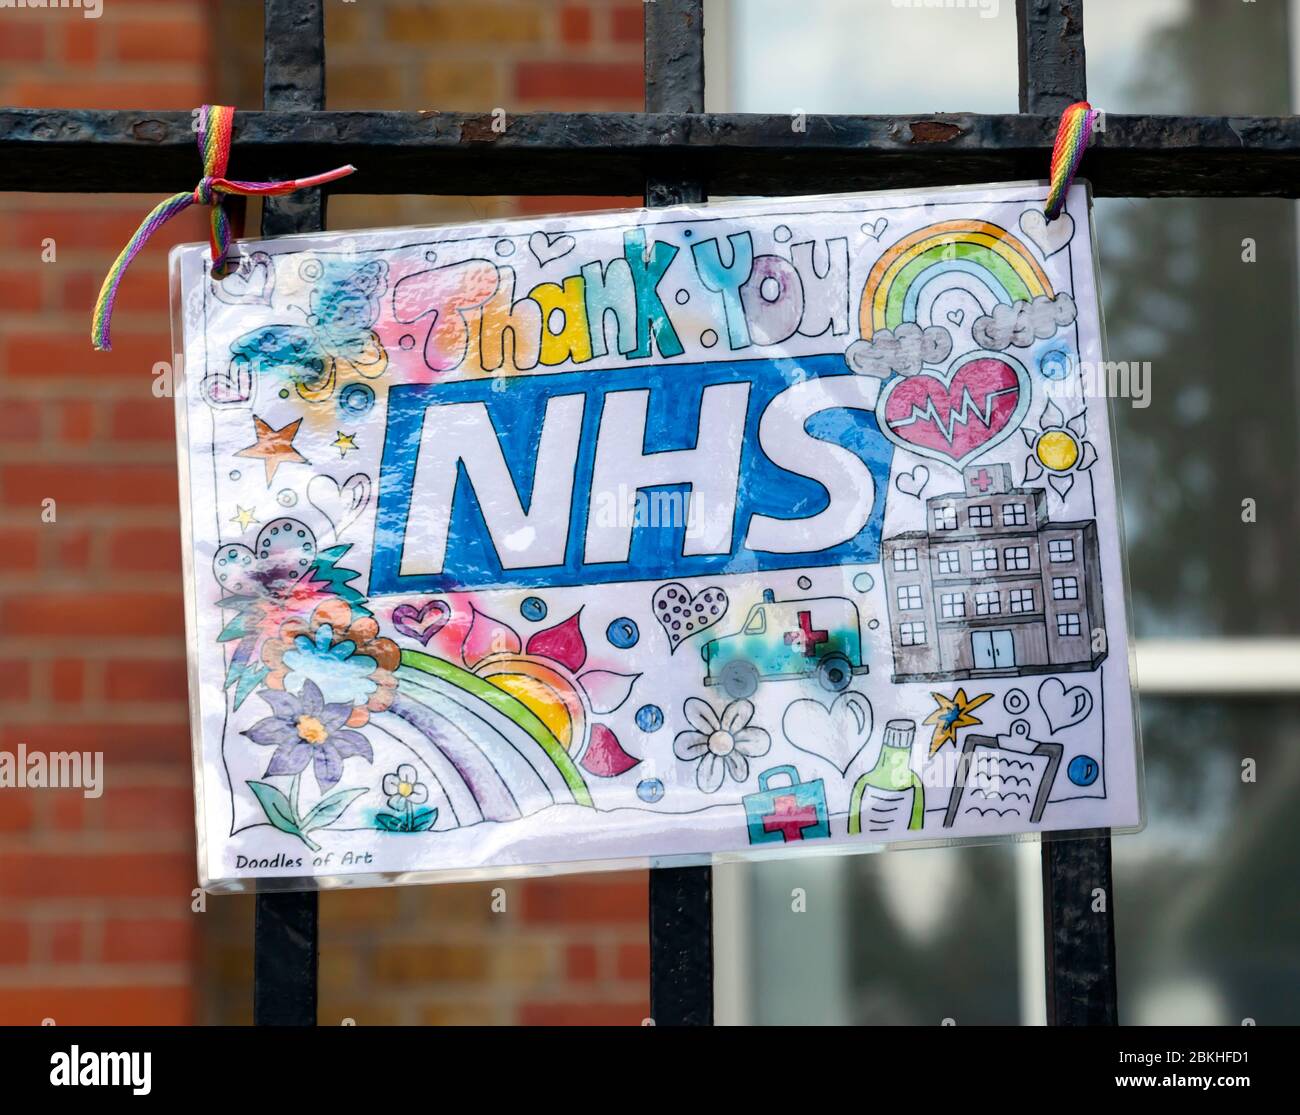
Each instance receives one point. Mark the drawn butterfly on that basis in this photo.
(339, 336)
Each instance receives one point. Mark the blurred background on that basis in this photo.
(96, 919)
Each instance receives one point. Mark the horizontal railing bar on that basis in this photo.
(48, 150)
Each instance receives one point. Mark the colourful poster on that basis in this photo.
(635, 536)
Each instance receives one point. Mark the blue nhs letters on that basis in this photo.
(630, 475)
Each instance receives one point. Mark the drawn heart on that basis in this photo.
(546, 247)
(876, 229)
(284, 552)
(1050, 236)
(1063, 707)
(957, 317)
(954, 417)
(683, 615)
(232, 387)
(837, 734)
(411, 621)
(911, 483)
(342, 504)
(251, 284)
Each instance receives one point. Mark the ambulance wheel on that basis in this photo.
(834, 672)
(739, 679)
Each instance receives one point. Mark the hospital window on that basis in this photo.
(1017, 557)
(909, 597)
(981, 516)
(1065, 588)
(987, 604)
(905, 561)
(911, 634)
(984, 561)
(1022, 599)
(1061, 549)
(949, 562)
(953, 605)
(1013, 515)
(945, 518)
(1068, 624)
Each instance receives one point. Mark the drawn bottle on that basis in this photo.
(889, 798)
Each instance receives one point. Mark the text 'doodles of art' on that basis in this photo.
(620, 536)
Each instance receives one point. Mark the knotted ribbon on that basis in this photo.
(215, 128)
(1072, 139)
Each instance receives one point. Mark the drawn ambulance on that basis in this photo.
(815, 637)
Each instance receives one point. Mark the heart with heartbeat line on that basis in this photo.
(955, 416)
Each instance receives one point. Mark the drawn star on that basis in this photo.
(274, 447)
(244, 516)
(345, 442)
(952, 713)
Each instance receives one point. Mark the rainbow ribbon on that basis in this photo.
(215, 128)
(1072, 139)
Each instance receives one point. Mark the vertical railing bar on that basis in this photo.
(681, 898)
(1053, 71)
(286, 925)
(1078, 897)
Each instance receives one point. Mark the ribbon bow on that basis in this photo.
(1072, 139)
(215, 127)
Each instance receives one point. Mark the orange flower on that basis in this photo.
(328, 634)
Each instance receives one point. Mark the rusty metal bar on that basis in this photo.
(604, 153)
(1053, 71)
(681, 898)
(286, 928)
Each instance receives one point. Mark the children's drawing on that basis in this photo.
(809, 637)
(1064, 707)
(837, 734)
(789, 811)
(651, 534)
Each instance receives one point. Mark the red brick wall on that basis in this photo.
(95, 919)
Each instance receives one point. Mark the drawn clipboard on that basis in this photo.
(1042, 762)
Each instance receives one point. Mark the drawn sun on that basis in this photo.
(1060, 450)
(545, 678)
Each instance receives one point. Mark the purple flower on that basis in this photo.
(304, 729)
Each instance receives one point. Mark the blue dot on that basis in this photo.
(534, 608)
(1055, 364)
(356, 399)
(649, 718)
(1083, 770)
(864, 582)
(623, 633)
(650, 790)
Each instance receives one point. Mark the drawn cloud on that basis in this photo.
(1023, 323)
(903, 350)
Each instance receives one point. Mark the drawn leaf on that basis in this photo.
(330, 809)
(388, 822)
(423, 819)
(276, 807)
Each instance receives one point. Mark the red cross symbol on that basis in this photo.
(982, 480)
(805, 640)
(789, 818)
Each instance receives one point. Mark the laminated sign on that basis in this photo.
(625, 536)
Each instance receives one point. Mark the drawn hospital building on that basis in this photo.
(991, 587)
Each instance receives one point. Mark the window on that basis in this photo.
(987, 603)
(949, 562)
(757, 623)
(1068, 624)
(1022, 599)
(1016, 557)
(984, 561)
(981, 516)
(1013, 515)
(1061, 549)
(1065, 588)
(909, 597)
(905, 561)
(911, 634)
(945, 518)
(953, 605)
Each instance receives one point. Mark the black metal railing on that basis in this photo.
(673, 152)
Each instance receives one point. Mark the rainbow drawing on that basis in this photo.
(988, 253)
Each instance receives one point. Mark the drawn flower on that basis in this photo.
(304, 729)
(545, 677)
(404, 794)
(722, 745)
(346, 659)
(283, 577)
(1059, 449)
(403, 790)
